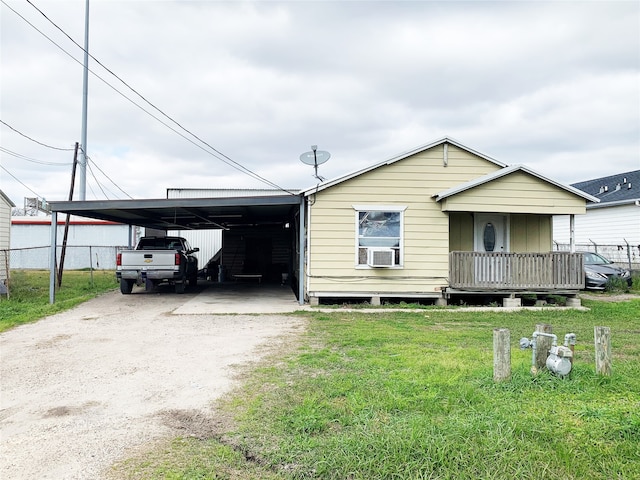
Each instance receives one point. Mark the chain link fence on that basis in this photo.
(76, 257)
(624, 255)
(86, 257)
(91, 257)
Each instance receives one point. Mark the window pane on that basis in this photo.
(381, 229)
(489, 237)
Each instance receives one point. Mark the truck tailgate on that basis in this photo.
(148, 259)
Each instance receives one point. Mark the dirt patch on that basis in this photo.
(190, 423)
(610, 297)
(78, 395)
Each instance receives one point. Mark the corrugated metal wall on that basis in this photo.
(208, 241)
(26, 235)
(266, 251)
(89, 244)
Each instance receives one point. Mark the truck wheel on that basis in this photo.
(180, 286)
(126, 286)
(193, 280)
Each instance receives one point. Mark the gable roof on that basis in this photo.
(618, 189)
(450, 141)
(507, 171)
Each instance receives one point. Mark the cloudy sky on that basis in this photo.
(552, 85)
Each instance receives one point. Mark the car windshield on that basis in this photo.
(595, 259)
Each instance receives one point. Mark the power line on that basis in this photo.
(33, 160)
(217, 154)
(214, 152)
(33, 140)
(108, 178)
(20, 182)
(97, 182)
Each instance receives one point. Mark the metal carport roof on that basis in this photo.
(187, 213)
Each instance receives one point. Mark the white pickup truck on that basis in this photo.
(156, 260)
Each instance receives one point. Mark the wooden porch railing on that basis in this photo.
(516, 271)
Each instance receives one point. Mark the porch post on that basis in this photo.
(52, 257)
(301, 244)
(572, 233)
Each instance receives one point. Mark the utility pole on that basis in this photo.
(66, 223)
(82, 173)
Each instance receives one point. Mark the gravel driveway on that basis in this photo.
(85, 388)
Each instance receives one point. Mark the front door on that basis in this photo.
(490, 233)
(490, 236)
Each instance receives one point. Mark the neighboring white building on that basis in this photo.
(90, 243)
(611, 226)
(5, 239)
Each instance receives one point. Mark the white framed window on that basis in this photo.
(379, 235)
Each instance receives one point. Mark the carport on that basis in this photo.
(253, 217)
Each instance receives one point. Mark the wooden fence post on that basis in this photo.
(501, 354)
(602, 337)
(543, 345)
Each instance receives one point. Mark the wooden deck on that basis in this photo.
(476, 271)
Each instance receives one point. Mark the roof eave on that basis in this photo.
(629, 201)
(506, 171)
(322, 186)
(7, 199)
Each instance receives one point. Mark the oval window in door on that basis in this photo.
(489, 237)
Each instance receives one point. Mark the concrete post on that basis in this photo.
(602, 337)
(543, 345)
(501, 354)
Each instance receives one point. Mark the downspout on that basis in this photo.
(301, 245)
(52, 257)
(308, 247)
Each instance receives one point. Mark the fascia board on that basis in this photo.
(506, 171)
(322, 186)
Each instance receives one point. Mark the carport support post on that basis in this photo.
(52, 257)
(130, 242)
(302, 242)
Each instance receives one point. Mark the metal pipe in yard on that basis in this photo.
(628, 253)
(52, 257)
(91, 265)
(570, 341)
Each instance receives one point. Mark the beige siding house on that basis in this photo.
(5, 228)
(437, 220)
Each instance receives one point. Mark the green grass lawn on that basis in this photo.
(398, 395)
(29, 294)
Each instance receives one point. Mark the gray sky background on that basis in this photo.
(552, 85)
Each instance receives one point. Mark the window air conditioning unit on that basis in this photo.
(381, 257)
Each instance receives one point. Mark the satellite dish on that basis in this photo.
(315, 157)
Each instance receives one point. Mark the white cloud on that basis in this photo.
(553, 85)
